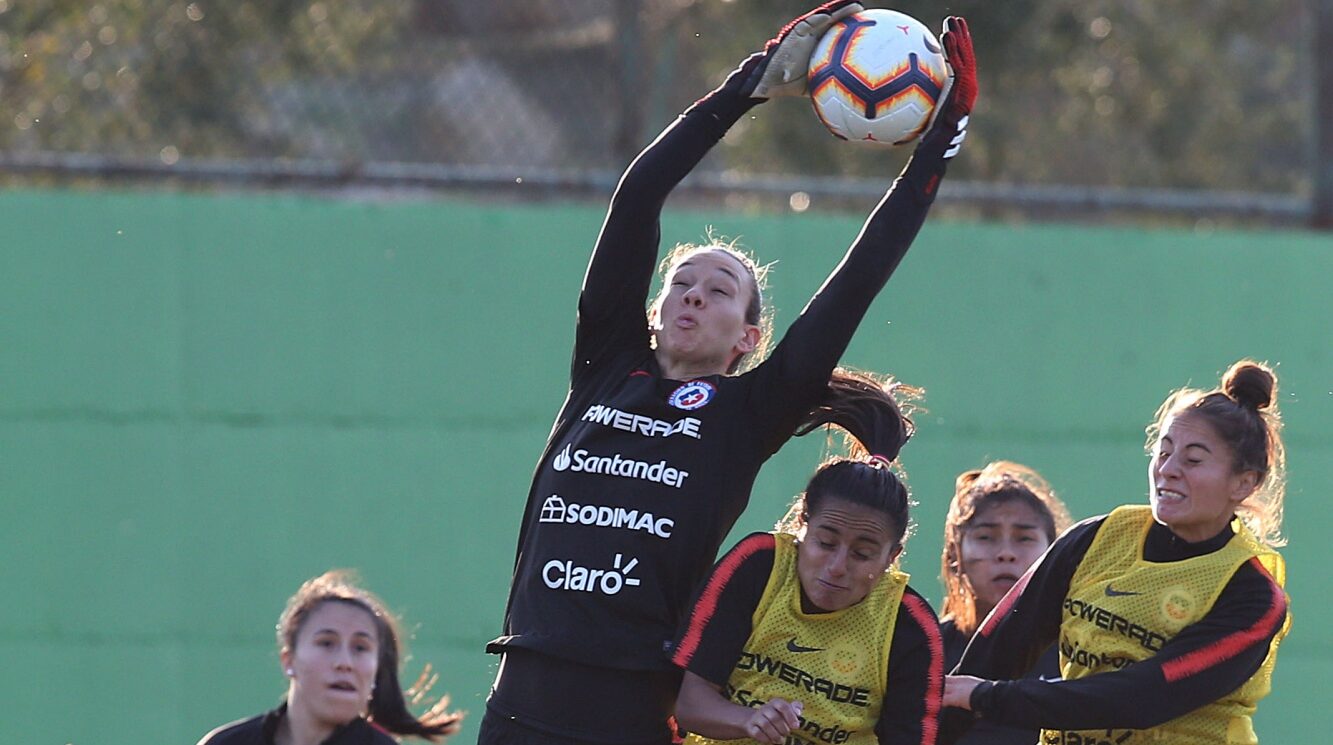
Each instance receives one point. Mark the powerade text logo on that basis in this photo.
(556, 510)
(644, 425)
(836, 692)
(1105, 619)
(566, 575)
(614, 465)
(692, 395)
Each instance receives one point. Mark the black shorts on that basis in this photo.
(548, 701)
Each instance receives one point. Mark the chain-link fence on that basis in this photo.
(1205, 106)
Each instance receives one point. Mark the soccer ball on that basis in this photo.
(875, 76)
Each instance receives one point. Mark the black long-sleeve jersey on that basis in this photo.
(1201, 664)
(263, 730)
(642, 476)
(907, 716)
(984, 731)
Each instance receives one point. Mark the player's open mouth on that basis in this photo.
(1169, 495)
(342, 685)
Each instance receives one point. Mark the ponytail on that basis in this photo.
(869, 411)
(388, 708)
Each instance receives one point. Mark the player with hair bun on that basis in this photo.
(1167, 615)
(811, 633)
(671, 412)
(340, 650)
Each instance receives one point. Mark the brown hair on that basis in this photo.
(875, 414)
(388, 709)
(757, 311)
(1243, 412)
(975, 491)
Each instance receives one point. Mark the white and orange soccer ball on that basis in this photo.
(875, 76)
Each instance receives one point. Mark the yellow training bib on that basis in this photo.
(1121, 609)
(836, 664)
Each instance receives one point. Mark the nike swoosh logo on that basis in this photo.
(792, 646)
(1114, 593)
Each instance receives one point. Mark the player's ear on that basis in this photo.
(749, 339)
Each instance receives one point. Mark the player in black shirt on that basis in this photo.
(1001, 519)
(340, 652)
(1168, 619)
(654, 452)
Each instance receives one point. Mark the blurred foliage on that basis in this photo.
(1194, 93)
(136, 77)
(1210, 94)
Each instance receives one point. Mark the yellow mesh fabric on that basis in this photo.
(835, 664)
(1121, 609)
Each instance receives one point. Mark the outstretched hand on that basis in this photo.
(786, 57)
(949, 125)
(772, 722)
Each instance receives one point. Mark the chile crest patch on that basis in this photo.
(692, 395)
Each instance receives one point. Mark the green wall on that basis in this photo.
(205, 400)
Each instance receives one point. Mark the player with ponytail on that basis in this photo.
(340, 650)
(822, 601)
(672, 409)
(1167, 615)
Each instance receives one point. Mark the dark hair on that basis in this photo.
(975, 491)
(1243, 412)
(388, 709)
(875, 415)
(757, 312)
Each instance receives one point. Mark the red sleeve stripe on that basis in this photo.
(1234, 643)
(707, 603)
(1006, 602)
(920, 612)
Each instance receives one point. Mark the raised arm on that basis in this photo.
(816, 340)
(615, 286)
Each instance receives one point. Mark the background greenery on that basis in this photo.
(1200, 94)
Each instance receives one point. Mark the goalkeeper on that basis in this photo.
(669, 417)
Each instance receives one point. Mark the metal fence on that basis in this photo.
(543, 97)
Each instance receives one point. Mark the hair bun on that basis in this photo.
(1251, 384)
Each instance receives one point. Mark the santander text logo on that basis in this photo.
(581, 460)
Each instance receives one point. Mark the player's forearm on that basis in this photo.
(702, 710)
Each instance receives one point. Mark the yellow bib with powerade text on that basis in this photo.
(1121, 609)
(836, 664)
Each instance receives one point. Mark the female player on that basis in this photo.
(339, 649)
(1002, 518)
(809, 634)
(654, 452)
(1168, 615)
